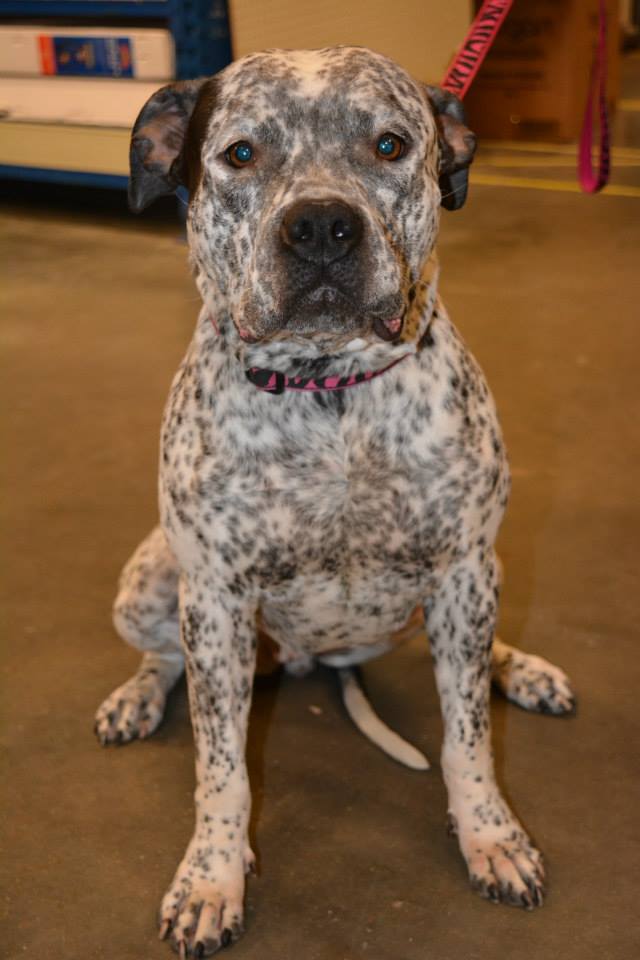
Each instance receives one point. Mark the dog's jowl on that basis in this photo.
(330, 456)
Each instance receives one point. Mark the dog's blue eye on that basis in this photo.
(390, 146)
(239, 154)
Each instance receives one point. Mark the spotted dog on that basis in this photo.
(330, 454)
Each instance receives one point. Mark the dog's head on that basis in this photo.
(315, 182)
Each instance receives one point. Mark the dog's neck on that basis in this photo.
(307, 357)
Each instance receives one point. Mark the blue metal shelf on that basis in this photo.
(86, 9)
(76, 178)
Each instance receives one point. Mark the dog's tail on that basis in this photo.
(370, 724)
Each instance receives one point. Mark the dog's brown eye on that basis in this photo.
(239, 154)
(390, 146)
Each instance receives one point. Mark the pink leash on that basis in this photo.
(593, 180)
(474, 49)
(475, 46)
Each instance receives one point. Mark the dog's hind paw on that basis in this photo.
(132, 711)
(530, 681)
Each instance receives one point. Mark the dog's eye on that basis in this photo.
(239, 154)
(390, 146)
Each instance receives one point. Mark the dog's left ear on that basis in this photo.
(457, 146)
(157, 162)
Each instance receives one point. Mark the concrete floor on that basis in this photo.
(355, 861)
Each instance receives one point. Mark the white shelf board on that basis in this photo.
(53, 146)
(74, 100)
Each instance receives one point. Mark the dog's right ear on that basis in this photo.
(156, 156)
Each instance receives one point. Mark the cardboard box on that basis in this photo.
(422, 35)
(534, 82)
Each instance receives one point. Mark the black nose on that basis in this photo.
(321, 231)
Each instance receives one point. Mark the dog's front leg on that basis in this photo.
(203, 907)
(460, 618)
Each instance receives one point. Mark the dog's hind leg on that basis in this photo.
(530, 681)
(145, 615)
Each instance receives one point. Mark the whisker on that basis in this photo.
(452, 193)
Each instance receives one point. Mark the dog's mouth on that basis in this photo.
(246, 335)
(331, 309)
(389, 328)
(320, 309)
(326, 311)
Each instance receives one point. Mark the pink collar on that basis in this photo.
(273, 381)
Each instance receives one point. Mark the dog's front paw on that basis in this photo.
(132, 711)
(504, 866)
(534, 683)
(508, 871)
(202, 910)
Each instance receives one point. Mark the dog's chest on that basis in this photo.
(276, 492)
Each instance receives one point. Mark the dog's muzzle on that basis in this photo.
(327, 273)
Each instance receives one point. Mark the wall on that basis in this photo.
(422, 35)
